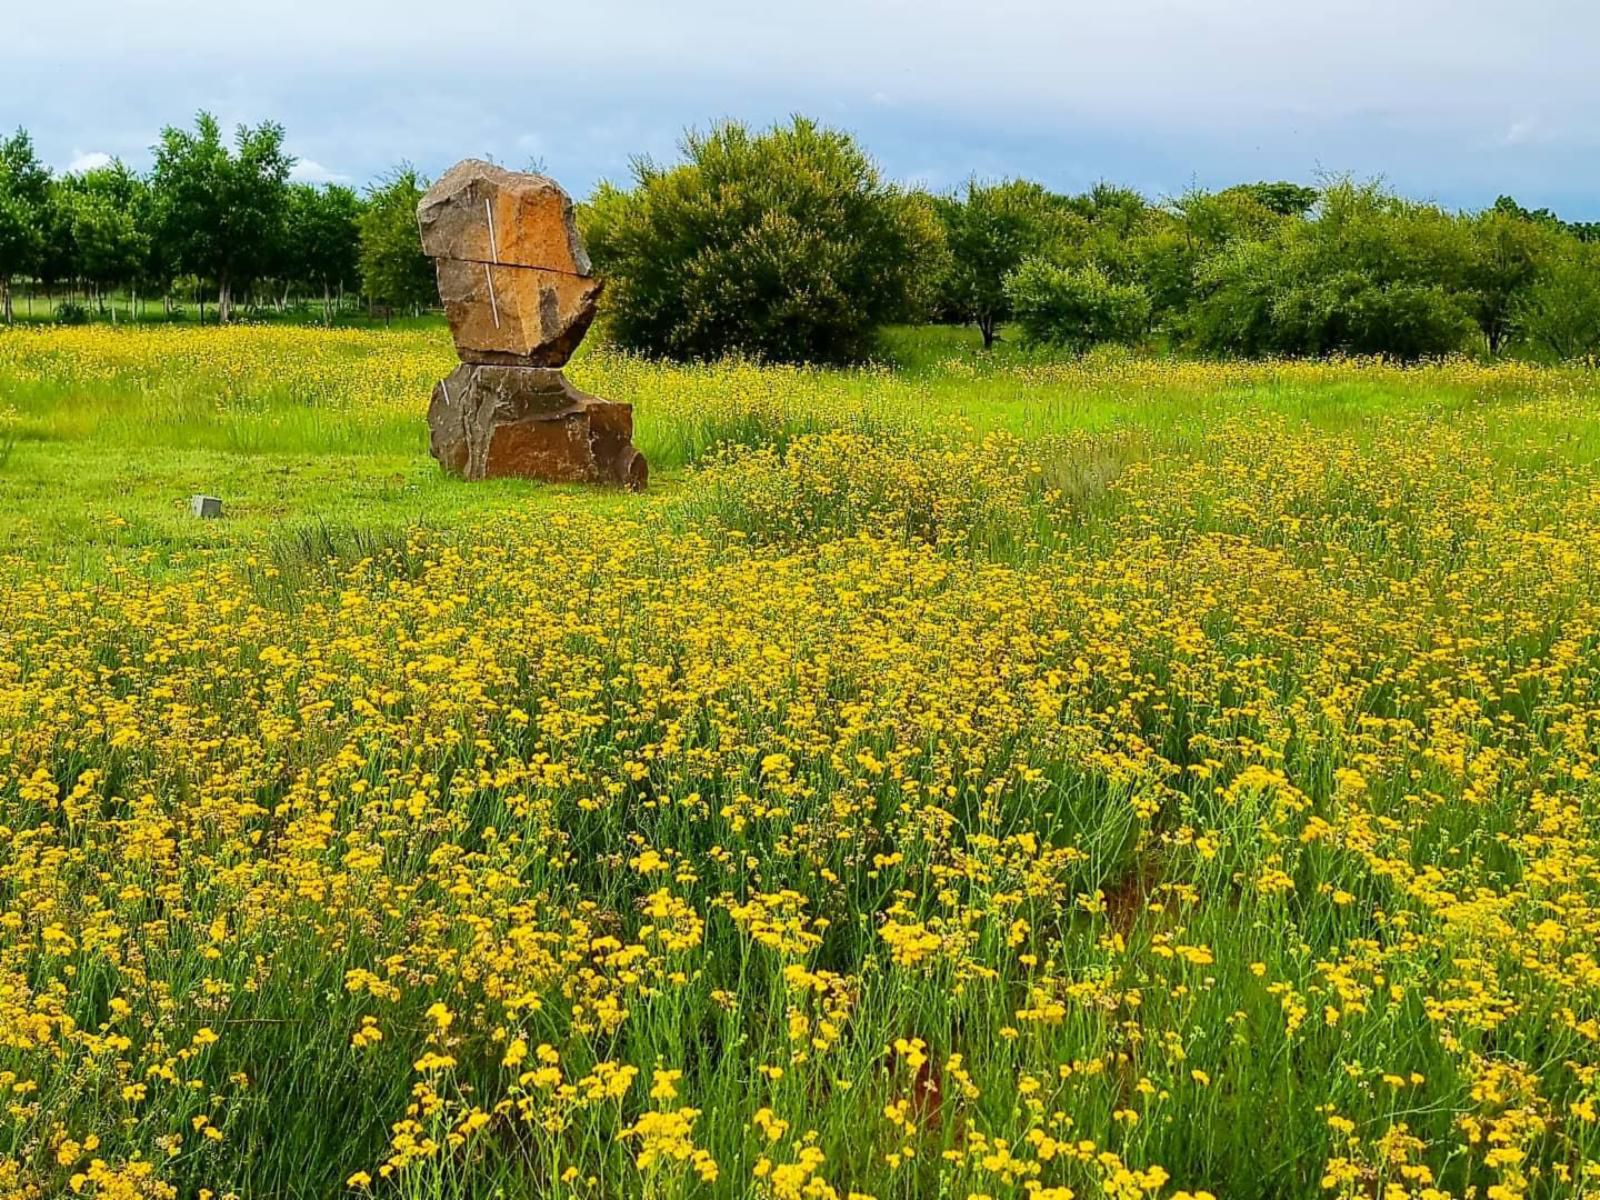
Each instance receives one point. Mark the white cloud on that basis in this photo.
(88, 162)
(309, 170)
(1528, 131)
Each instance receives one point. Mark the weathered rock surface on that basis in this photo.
(492, 421)
(483, 213)
(516, 288)
(515, 315)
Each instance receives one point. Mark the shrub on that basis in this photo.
(69, 312)
(1372, 274)
(1559, 315)
(1076, 308)
(989, 231)
(1353, 313)
(785, 245)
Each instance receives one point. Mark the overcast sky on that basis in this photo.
(1451, 100)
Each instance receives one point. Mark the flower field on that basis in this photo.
(1101, 779)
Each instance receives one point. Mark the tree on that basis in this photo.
(1076, 308)
(1504, 261)
(24, 193)
(393, 268)
(323, 240)
(785, 244)
(110, 228)
(57, 262)
(1369, 274)
(1559, 314)
(221, 213)
(988, 232)
(1284, 199)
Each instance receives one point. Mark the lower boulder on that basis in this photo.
(488, 422)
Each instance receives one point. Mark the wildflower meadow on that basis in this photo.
(974, 778)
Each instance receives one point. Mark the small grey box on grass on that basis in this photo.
(205, 506)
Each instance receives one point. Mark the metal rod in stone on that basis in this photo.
(494, 307)
(494, 250)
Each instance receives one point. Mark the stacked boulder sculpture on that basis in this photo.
(519, 295)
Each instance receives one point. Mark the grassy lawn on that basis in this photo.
(967, 776)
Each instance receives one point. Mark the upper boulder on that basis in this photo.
(479, 212)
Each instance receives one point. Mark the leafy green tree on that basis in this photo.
(110, 228)
(57, 264)
(1558, 314)
(1504, 262)
(786, 244)
(1115, 209)
(394, 270)
(24, 194)
(323, 240)
(1175, 241)
(1075, 307)
(989, 231)
(1282, 198)
(1370, 274)
(220, 212)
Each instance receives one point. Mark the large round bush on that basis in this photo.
(785, 245)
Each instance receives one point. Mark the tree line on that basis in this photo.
(211, 215)
(788, 243)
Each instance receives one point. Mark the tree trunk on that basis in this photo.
(986, 327)
(327, 304)
(224, 300)
(5, 296)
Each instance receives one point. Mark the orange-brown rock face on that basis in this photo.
(483, 213)
(487, 422)
(516, 288)
(511, 315)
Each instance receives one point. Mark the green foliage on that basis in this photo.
(1284, 199)
(322, 239)
(1504, 255)
(1075, 307)
(988, 232)
(785, 245)
(1373, 274)
(24, 189)
(110, 232)
(220, 214)
(394, 269)
(1559, 314)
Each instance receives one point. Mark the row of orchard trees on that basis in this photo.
(789, 243)
(209, 214)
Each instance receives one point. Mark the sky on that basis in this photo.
(1455, 101)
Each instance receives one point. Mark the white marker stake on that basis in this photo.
(494, 251)
(494, 308)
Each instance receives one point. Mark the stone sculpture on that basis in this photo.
(519, 295)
